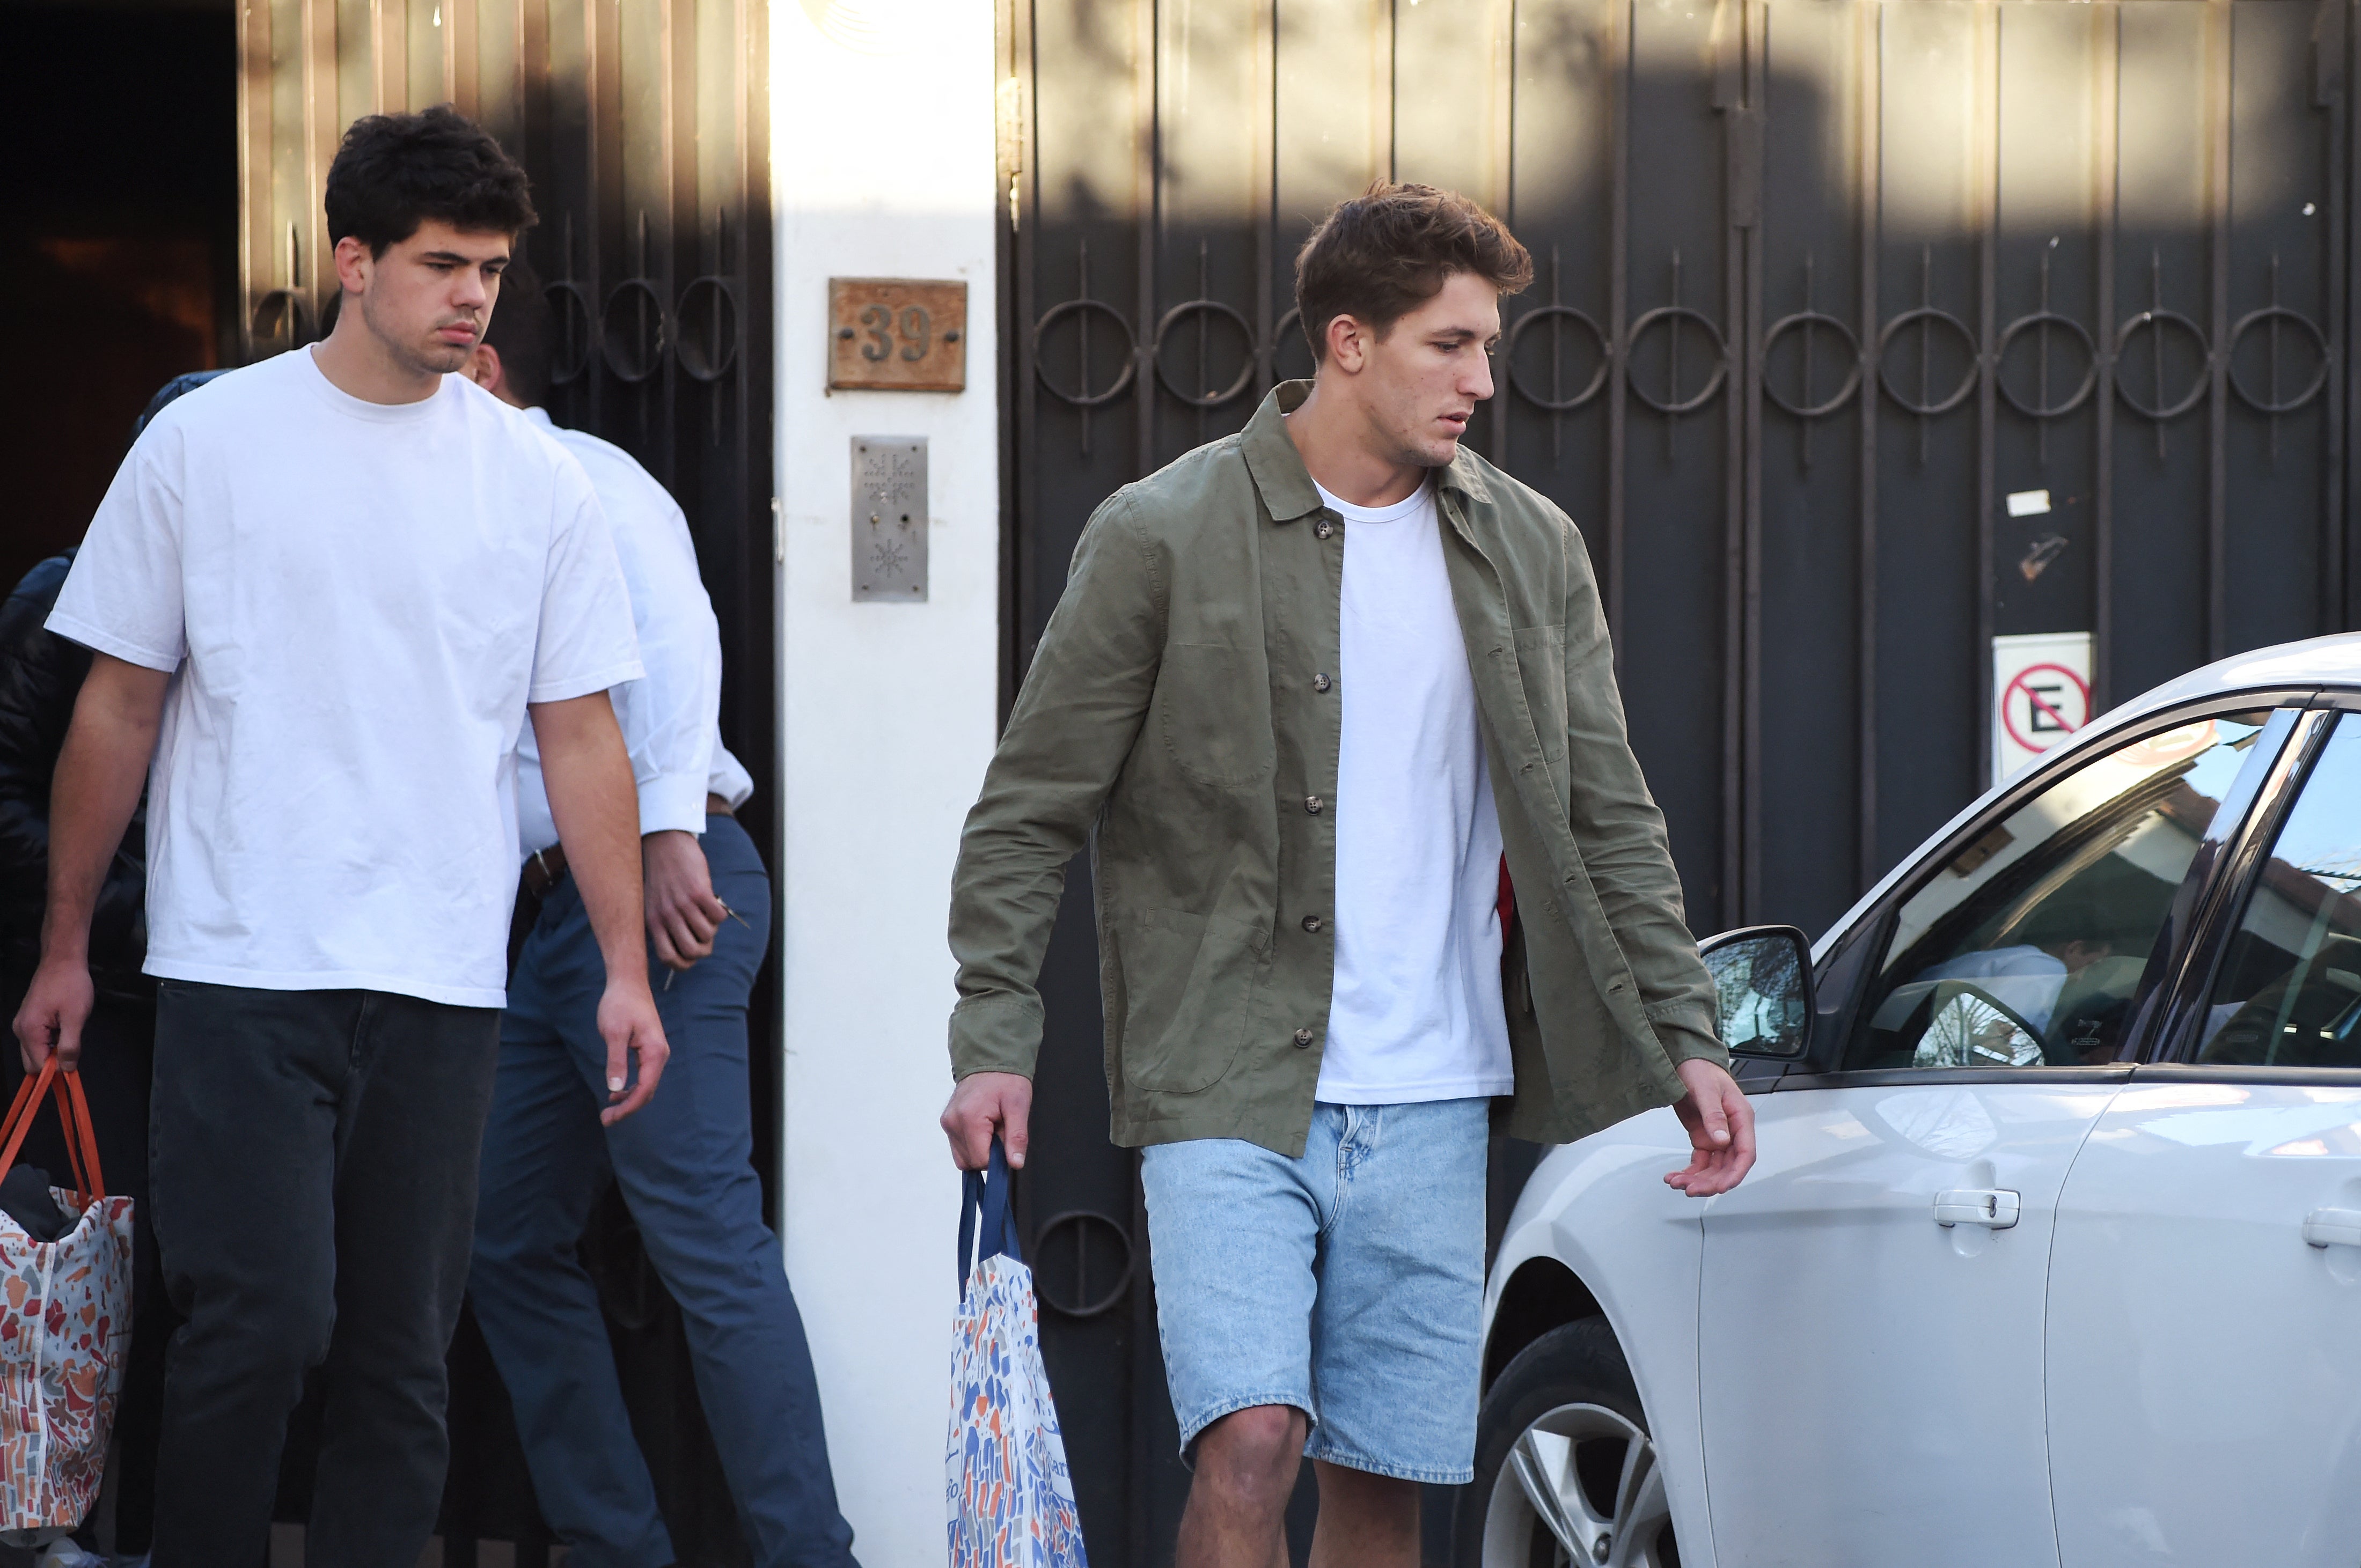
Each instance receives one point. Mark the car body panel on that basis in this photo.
(1907, 1352)
(1600, 1208)
(2202, 1359)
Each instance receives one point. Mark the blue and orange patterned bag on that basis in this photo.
(1011, 1500)
(65, 1327)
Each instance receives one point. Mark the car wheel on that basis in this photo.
(1565, 1472)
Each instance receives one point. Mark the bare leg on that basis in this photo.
(1365, 1521)
(1236, 1514)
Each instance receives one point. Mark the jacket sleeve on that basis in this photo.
(1076, 718)
(1621, 832)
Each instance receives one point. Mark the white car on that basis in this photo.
(2052, 1256)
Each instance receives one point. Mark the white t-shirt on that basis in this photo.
(358, 600)
(672, 716)
(1416, 1012)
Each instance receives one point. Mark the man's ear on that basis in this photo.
(353, 264)
(1349, 342)
(483, 368)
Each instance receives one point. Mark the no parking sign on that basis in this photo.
(2041, 695)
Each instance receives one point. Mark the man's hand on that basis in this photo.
(1721, 1122)
(984, 1103)
(56, 1007)
(628, 1022)
(683, 914)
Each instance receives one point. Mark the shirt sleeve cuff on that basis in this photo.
(561, 688)
(995, 1033)
(672, 802)
(89, 636)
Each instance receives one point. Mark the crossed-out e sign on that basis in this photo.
(2041, 695)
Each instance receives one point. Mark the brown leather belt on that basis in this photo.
(544, 869)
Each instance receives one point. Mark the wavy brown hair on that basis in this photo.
(1380, 254)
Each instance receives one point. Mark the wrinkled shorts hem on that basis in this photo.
(1345, 1458)
(1196, 1424)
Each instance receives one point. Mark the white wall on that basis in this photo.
(882, 165)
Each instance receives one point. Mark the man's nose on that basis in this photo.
(470, 287)
(1478, 381)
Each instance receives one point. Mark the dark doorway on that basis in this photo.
(118, 241)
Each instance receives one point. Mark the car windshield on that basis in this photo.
(2026, 947)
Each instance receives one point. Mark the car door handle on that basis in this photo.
(1995, 1208)
(2333, 1227)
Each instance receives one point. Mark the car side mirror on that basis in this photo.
(1763, 981)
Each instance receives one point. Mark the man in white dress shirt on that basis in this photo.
(686, 1163)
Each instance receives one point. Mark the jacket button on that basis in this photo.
(1312, 803)
(1323, 528)
(1321, 683)
(1303, 1039)
(1311, 922)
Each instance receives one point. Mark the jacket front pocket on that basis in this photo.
(1188, 984)
(1213, 706)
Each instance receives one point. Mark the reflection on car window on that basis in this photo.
(2289, 992)
(2026, 948)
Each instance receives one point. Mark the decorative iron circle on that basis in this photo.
(1834, 399)
(576, 332)
(2318, 345)
(1675, 403)
(1211, 307)
(1079, 1218)
(1086, 399)
(1884, 371)
(1287, 329)
(2158, 320)
(714, 301)
(630, 355)
(1597, 378)
(2089, 373)
(282, 310)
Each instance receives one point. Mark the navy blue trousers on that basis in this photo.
(684, 1164)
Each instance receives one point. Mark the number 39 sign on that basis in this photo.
(897, 334)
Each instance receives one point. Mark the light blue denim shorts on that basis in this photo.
(1348, 1283)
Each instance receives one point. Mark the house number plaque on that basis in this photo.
(889, 519)
(897, 334)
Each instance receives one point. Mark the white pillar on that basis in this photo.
(882, 165)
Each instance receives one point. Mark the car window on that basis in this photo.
(2289, 991)
(2026, 947)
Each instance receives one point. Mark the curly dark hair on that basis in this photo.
(520, 330)
(394, 171)
(1380, 254)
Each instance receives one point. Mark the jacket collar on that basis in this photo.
(1287, 492)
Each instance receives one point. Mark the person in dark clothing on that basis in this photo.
(41, 675)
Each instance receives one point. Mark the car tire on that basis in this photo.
(1566, 1470)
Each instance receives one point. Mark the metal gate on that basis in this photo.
(1822, 283)
(642, 124)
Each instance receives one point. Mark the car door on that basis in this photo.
(2204, 1316)
(1871, 1358)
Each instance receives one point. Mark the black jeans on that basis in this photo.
(118, 1043)
(314, 1156)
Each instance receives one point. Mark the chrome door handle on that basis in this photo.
(1995, 1207)
(2333, 1227)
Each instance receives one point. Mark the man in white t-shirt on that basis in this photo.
(326, 593)
(1331, 701)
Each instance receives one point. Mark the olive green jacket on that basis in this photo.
(1181, 716)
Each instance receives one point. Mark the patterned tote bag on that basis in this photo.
(1011, 1500)
(65, 1326)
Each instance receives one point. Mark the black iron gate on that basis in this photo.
(1823, 283)
(644, 127)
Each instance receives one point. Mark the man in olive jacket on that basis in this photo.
(1336, 699)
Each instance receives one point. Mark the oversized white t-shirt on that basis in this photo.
(672, 716)
(358, 600)
(1416, 1012)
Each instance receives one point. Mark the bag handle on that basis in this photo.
(74, 1116)
(984, 1199)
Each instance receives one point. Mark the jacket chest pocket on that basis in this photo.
(1541, 665)
(1212, 709)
